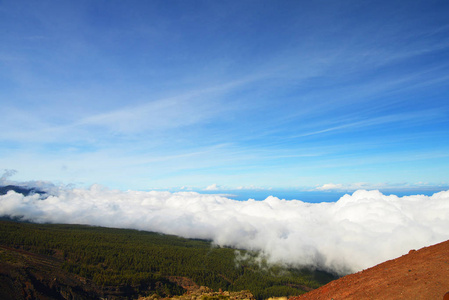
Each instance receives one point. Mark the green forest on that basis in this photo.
(123, 257)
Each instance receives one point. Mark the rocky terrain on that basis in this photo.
(420, 274)
(205, 293)
(27, 275)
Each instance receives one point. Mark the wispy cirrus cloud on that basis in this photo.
(265, 95)
(409, 119)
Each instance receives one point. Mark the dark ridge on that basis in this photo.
(26, 191)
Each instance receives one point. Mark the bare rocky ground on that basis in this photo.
(205, 293)
(421, 274)
(195, 292)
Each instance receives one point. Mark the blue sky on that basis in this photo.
(226, 95)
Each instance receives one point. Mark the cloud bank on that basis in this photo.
(353, 233)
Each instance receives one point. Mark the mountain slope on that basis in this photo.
(422, 274)
(138, 263)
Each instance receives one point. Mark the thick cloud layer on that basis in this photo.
(356, 232)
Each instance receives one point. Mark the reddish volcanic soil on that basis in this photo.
(422, 274)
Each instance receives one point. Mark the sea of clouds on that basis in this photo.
(351, 234)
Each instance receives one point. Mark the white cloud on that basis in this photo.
(356, 232)
(216, 187)
(330, 186)
(212, 187)
(369, 186)
(6, 174)
(252, 187)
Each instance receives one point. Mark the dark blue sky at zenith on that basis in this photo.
(226, 96)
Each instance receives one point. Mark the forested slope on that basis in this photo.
(142, 262)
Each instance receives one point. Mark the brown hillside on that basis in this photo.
(422, 274)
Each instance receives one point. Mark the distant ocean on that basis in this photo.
(306, 196)
(311, 197)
